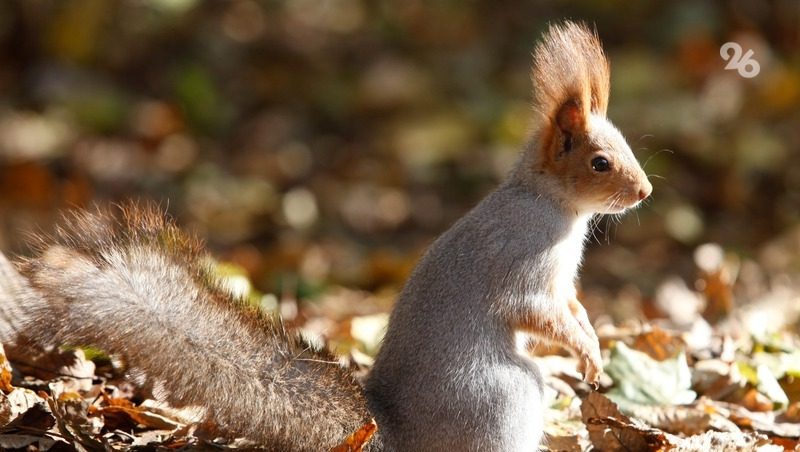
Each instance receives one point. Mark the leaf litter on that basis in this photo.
(710, 379)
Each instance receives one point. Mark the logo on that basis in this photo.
(744, 64)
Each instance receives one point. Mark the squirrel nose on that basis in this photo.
(645, 190)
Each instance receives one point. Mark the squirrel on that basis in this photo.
(449, 375)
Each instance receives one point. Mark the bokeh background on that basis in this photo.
(320, 145)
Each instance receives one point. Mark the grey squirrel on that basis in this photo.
(449, 375)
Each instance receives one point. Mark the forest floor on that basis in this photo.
(707, 374)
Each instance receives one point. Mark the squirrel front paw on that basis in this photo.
(591, 365)
(568, 325)
(591, 360)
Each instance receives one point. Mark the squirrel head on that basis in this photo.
(576, 153)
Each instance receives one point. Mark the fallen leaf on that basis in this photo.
(5, 372)
(59, 363)
(685, 420)
(755, 401)
(792, 413)
(610, 430)
(765, 422)
(658, 344)
(356, 441)
(70, 416)
(25, 442)
(122, 410)
(717, 274)
(22, 400)
(725, 442)
(639, 379)
(716, 379)
(5, 410)
(570, 443)
(769, 386)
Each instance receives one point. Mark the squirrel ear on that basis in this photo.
(570, 118)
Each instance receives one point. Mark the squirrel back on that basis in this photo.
(131, 283)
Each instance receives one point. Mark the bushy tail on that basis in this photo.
(12, 286)
(131, 283)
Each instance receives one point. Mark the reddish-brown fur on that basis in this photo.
(571, 80)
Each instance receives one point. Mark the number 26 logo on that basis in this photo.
(746, 65)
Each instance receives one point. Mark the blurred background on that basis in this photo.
(320, 145)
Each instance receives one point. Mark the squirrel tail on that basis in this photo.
(12, 313)
(129, 282)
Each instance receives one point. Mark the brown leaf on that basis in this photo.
(716, 379)
(36, 417)
(764, 422)
(722, 441)
(717, 274)
(49, 365)
(23, 408)
(25, 442)
(756, 401)
(685, 420)
(791, 385)
(5, 373)
(5, 410)
(69, 414)
(120, 413)
(356, 441)
(569, 443)
(610, 430)
(658, 344)
(786, 443)
(792, 413)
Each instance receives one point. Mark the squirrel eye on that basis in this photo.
(600, 164)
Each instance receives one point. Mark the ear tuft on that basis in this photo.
(570, 76)
(570, 117)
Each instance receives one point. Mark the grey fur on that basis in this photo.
(12, 314)
(449, 375)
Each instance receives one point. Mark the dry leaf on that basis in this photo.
(356, 441)
(121, 410)
(23, 400)
(675, 419)
(5, 372)
(659, 344)
(755, 401)
(792, 413)
(639, 379)
(724, 442)
(716, 379)
(48, 365)
(5, 410)
(67, 414)
(610, 430)
(25, 442)
(761, 421)
(569, 443)
(717, 274)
